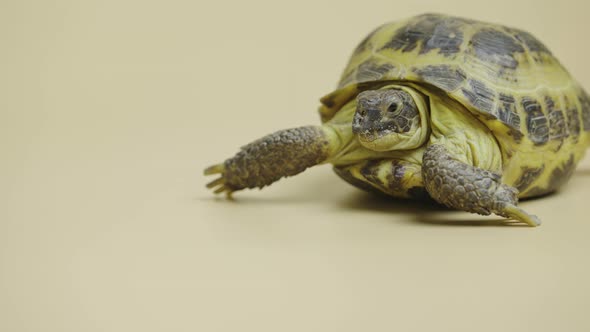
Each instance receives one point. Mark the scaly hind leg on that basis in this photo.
(398, 178)
(468, 188)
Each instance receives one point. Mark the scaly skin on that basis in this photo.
(468, 188)
(284, 153)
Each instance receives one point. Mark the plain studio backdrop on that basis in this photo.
(109, 112)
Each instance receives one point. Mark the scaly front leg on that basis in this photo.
(468, 188)
(264, 161)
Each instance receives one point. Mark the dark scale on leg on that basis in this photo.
(480, 96)
(497, 47)
(469, 188)
(528, 175)
(537, 124)
(445, 77)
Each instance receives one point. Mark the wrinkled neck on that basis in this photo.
(345, 148)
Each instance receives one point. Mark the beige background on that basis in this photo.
(111, 109)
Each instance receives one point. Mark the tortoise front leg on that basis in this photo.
(266, 160)
(394, 177)
(468, 188)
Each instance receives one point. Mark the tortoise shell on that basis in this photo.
(504, 76)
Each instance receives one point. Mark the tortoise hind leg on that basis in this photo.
(468, 188)
(394, 177)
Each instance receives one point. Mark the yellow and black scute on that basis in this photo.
(505, 77)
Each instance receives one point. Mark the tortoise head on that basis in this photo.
(391, 118)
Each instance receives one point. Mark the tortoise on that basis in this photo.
(474, 115)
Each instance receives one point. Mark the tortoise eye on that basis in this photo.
(392, 107)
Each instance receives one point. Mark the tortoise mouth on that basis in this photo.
(373, 125)
(381, 142)
(373, 136)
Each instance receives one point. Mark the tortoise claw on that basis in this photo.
(224, 189)
(216, 182)
(220, 190)
(215, 169)
(218, 185)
